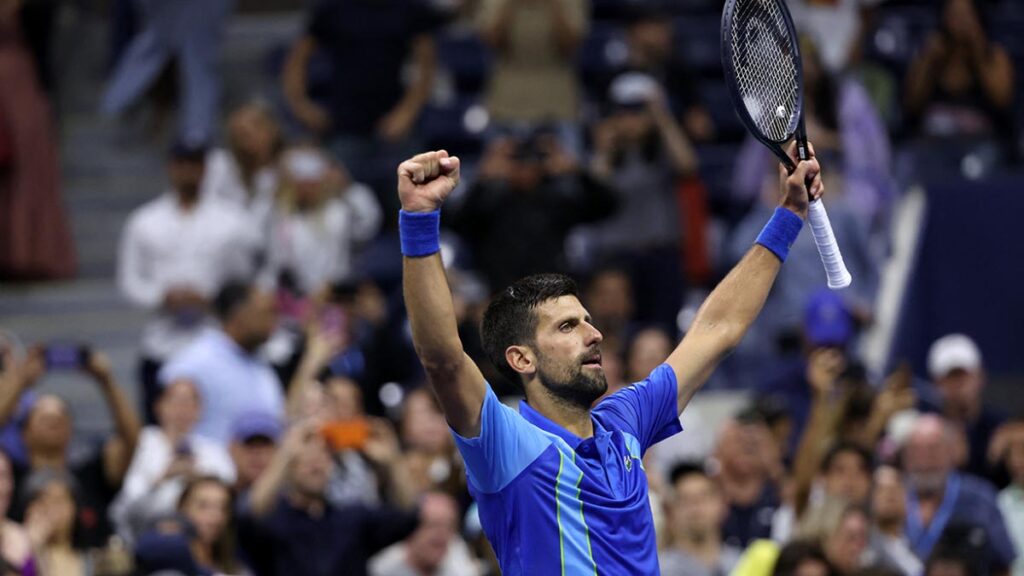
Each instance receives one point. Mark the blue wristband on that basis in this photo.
(780, 232)
(420, 233)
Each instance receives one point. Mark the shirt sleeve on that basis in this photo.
(133, 275)
(648, 410)
(507, 444)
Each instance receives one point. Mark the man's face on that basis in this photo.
(698, 509)
(311, 469)
(961, 393)
(252, 133)
(568, 352)
(927, 459)
(652, 37)
(848, 478)
(251, 458)
(49, 425)
(186, 175)
(259, 317)
(439, 523)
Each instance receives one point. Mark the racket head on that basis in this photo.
(764, 72)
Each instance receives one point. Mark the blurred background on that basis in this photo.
(202, 191)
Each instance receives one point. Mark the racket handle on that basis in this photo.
(825, 240)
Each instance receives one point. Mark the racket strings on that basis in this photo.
(766, 70)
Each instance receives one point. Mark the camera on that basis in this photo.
(62, 356)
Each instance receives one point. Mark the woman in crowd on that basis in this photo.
(50, 519)
(201, 540)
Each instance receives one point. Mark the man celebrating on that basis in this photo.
(559, 485)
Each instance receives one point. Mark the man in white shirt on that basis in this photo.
(176, 251)
(225, 366)
(244, 173)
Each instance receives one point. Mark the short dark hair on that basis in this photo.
(796, 553)
(847, 447)
(684, 469)
(183, 151)
(230, 297)
(510, 318)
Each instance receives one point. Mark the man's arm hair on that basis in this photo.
(453, 376)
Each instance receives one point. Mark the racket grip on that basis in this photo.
(828, 249)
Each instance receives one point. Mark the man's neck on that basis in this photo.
(186, 202)
(235, 336)
(705, 547)
(56, 460)
(928, 504)
(573, 418)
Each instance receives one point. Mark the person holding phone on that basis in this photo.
(169, 456)
(47, 431)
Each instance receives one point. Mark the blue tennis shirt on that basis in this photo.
(553, 503)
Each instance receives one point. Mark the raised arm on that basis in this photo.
(731, 308)
(423, 183)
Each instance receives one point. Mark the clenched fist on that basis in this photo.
(803, 185)
(425, 180)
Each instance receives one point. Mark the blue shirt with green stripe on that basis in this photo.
(551, 502)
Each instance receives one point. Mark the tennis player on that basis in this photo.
(559, 484)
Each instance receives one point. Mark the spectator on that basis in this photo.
(962, 549)
(15, 546)
(697, 511)
(53, 520)
(35, 237)
(645, 351)
(434, 548)
(534, 191)
(842, 530)
(321, 219)
(961, 82)
(288, 526)
(368, 115)
(430, 453)
(746, 464)
(938, 496)
(804, 383)
(955, 365)
(254, 440)
(1008, 448)
(202, 541)
(244, 173)
(802, 559)
(225, 366)
(175, 254)
(889, 514)
(641, 150)
(609, 298)
(168, 456)
(47, 433)
(533, 82)
(175, 36)
(651, 50)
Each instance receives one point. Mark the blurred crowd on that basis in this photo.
(283, 426)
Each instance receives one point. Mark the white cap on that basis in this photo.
(633, 89)
(306, 164)
(952, 352)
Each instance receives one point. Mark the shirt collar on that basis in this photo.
(546, 424)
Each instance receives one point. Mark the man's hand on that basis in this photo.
(396, 124)
(313, 116)
(823, 369)
(796, 193)
(99, 367)
(426, 180)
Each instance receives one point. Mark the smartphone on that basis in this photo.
(66, 356)
(333, 320)
(348, 435)
(183, 449)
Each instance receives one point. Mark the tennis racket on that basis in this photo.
(764, 73)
